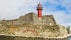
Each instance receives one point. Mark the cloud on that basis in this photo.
(10, 9)
(61, 9)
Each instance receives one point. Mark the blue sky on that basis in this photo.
(61, 9)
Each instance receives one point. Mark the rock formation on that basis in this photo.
(33, 25)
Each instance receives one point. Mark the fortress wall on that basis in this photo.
(26, 19)
(32, 18)
(12, 22)
(48, 20)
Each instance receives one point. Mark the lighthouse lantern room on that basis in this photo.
(39, 10)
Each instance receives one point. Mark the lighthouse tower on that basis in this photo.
(39, 10)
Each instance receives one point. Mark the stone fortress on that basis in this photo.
(33, 25)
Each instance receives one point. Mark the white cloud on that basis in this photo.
(14, 8)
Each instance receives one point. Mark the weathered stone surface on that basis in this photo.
(32, 18)
(69, 29)
(30, 25)
(35, 30)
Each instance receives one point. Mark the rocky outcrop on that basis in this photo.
(69, 29)
(35, 30)
(31, 25)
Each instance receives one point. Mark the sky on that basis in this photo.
(60, 9)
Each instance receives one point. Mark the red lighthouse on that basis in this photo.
(39, 9)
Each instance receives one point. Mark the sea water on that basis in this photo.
(69, 38)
